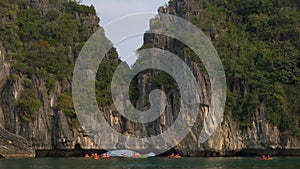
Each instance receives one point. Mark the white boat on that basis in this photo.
(129, 154)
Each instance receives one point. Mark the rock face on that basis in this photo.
(13, 145)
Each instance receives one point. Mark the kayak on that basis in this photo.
(174, 156)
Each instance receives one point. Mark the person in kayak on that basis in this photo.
(124, 155)
(96, 156)
(268, 157)
(262, 157)
(103, 155)
(178, 155)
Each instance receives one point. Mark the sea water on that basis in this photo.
(151, 163)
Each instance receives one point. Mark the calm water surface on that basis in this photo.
(153, 163)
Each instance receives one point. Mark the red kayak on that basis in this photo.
(105, 156)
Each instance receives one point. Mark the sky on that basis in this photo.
(112, 10)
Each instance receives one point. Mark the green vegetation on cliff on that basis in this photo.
(65, 104)
(28, 104)
(42, 41)
(258, 42)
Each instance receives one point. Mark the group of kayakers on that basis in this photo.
(96, 156)
(137, 155)
(263, 157)
(174, 156)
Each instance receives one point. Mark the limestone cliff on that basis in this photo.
(232, 137)
(48, 127)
